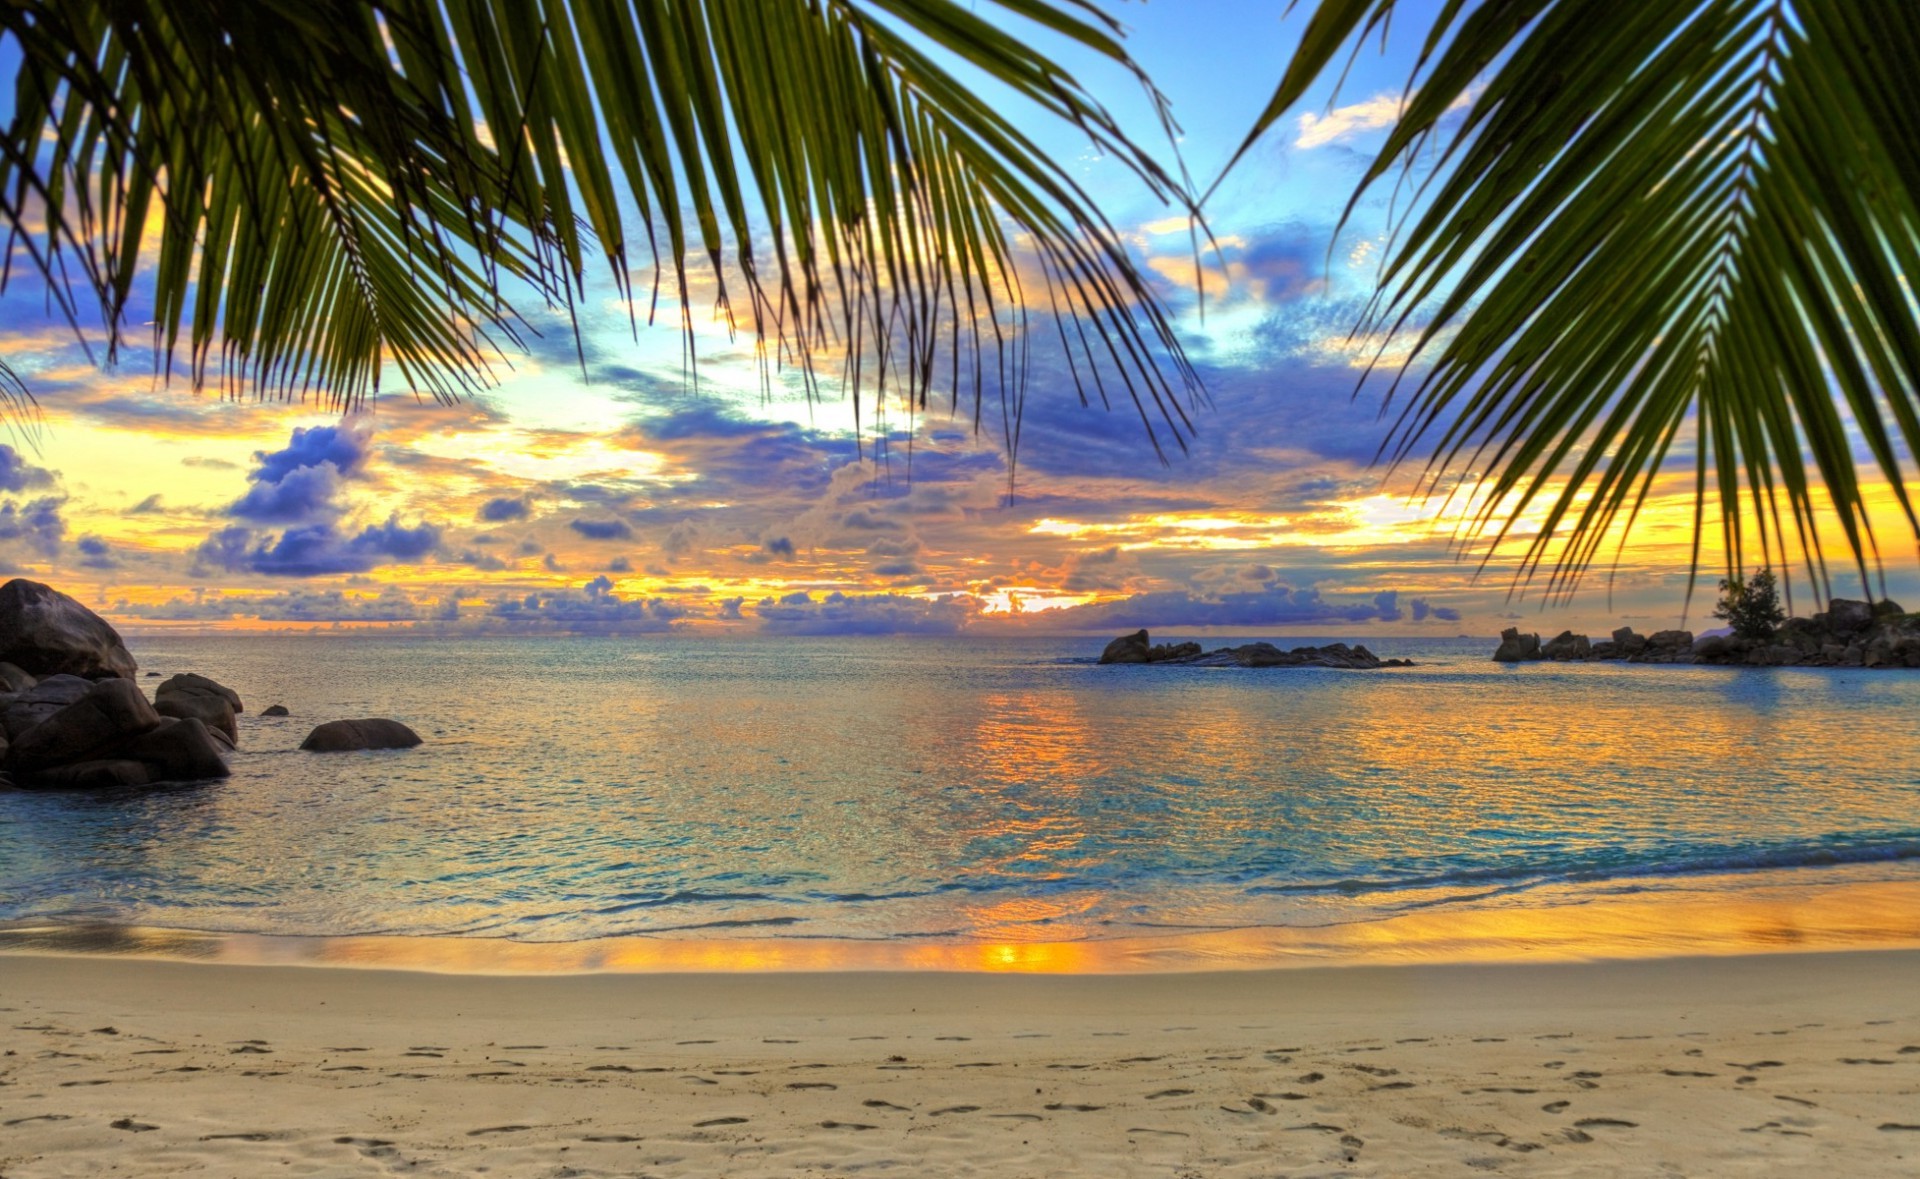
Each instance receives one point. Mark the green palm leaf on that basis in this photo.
(341, 185)
(1660, 229)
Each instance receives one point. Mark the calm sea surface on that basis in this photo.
(970, 790)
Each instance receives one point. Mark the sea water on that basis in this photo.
(964, 790)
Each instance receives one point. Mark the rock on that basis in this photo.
(45, 632)
(1671, 640)
(1715, 648)
(1177, 651)
(376, 733)
(1845, 616)
(1628, 643)
(13, 679)
(105, 774)
(196, 696)
(1887, 608)
(1516, 647)
(1131, 648)
(187, 681)
(275, 710)
(178, 751)
(1567, 645)
(111, 711)
(41, 701)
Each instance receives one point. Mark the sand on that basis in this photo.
(1789, 1063)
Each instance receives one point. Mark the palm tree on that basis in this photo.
(326, 188)
(1659, 228)
(1666, 227)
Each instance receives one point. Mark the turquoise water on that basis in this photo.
(963, 790)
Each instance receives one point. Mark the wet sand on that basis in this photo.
(1739, 1065)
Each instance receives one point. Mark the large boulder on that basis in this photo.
(372, 733)
(112, 711)
(14, 679)
(102, 774)
(1516, 647)
(45, 632)
(1131, 648)
(41, 701)
(1164, 652)
(195, 696)
(1566, 645)
(1845, 616)
(178, 750)
(275, 710)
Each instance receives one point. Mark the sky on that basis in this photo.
(612, 496)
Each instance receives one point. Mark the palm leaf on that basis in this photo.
(1661, 231)
(344, 185)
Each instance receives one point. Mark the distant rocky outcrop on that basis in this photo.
(1847, 633)
(370, 733)
(1137, 648)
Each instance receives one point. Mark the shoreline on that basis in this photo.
(1767, 1064)
(1745, 915)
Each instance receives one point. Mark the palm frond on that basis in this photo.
(336, 185)
(1660, 228)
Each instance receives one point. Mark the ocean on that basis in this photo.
(968, 792)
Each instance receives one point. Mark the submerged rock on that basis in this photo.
(44, 632)
(370, 733)
(275, 710)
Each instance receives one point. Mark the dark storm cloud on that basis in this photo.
(17, 474)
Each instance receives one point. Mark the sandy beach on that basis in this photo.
(1754, 1065)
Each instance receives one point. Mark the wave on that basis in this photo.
(1703, 861)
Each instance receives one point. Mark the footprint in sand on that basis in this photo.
(1687, 1072)
(497, 1130)
(611, 1068)
(1018, 1117)
(82, 1084)
(1141, 1059)
(1756, 1064)
(345, 1068)
(1898, 1126)
(720, 1122)
(1910, 1049)
(832, 1125)
(779, 1041)
(1071, 1107)
(811, 1085)
(1556, 1106)
(1390, 1085)
(957, 1109)
(1170, 1093)
(346, 1049)
(132, 1126)
(1795, 1100)
(611, 1138)
(1311, 1078)
(39, 1118)
(962, 1038)
(684, 1043)
(876, 1103)
(417, 1052)
(1619, 1122)
(250, 1049)
(1372, 1071)
(1863, 1060)
(250, 1136)
(1162, 1133)
(523, 1047)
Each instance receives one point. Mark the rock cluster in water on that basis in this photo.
(1846, 634)
(72, 716)
(1137, 648)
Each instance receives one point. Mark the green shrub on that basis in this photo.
(1752, 607)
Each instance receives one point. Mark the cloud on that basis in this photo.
(778, 546)
(1277, 605)
(314, 550)
(1374, 114)
(298, 605)
(1422, 609)
(297, 495)
(865, 614)
(96, 554)
(601, 529)
(17, 474)
(496, 511)
(619, 565)
(37, 525)
(147, 507)
(592, 609)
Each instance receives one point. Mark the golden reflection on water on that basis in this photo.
(1865, 915)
